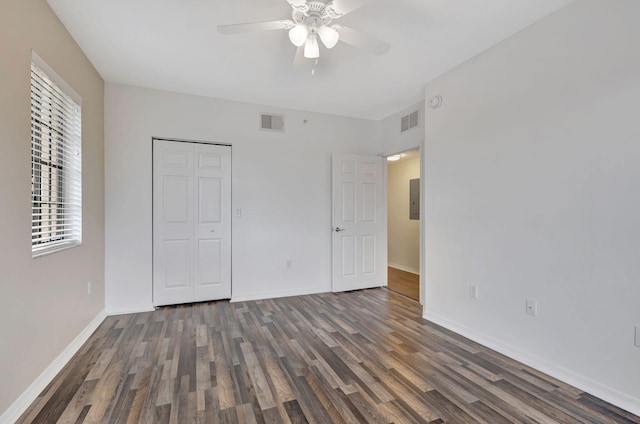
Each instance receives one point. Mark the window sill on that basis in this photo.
(58, 247)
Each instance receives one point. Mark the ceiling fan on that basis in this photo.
(313, 19)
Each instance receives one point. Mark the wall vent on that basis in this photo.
(409, 121)
(272, 122)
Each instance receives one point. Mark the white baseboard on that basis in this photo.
(21, 404)
(234, 298)
(146, 308)
(613, 396)
(404, 268)
(273, 295)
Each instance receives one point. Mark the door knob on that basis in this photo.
(338, 229)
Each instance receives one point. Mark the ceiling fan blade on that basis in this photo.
(255, 26)
(362, 41)
(296, 3)
(342, 7)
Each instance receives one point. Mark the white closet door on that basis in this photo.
(213, 222)
(191, 222)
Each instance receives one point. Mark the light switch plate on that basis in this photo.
(473, 291)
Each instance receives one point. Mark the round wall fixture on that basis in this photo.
(435, 102)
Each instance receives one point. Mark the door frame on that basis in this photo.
(422, 262)
(182, 140)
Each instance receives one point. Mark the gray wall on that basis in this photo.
(44, 303)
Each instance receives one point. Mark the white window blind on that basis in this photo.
(56, 162)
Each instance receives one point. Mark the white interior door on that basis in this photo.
(191, 222)
(359, 238)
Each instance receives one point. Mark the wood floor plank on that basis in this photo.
(294, 412)
(332, 398)
(78, 404)
(403, 282)
(258, 379)
(364, 356)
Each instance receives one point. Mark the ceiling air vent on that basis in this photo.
(272, 122)
(409, 121)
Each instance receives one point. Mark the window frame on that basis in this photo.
(56, 161)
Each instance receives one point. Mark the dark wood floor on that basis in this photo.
(363, 356)
(404, 282)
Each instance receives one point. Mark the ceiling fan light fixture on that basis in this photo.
(329, 36)
(311, 48)
(298, 34)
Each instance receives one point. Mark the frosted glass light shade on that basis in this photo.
(311, 48)
(298, 35)
(329, 36)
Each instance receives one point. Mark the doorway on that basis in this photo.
(191, 222)
(403, 223)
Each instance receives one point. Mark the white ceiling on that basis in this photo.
(173, 45)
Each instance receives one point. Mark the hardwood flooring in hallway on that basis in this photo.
(364, 356)
(404, 282)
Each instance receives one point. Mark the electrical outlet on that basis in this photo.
(89, 287)
(473, 291)
(637, 338)
(289, 264)
(532, 307)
